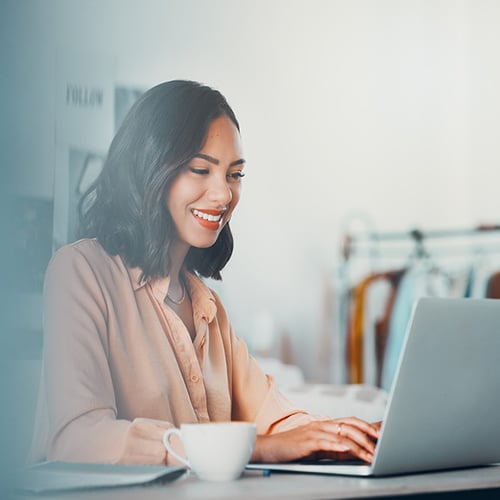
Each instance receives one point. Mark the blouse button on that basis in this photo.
(194, 378)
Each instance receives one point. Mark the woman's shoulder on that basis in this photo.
(85, 253)
(86, 248)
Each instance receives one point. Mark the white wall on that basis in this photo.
(386, 108)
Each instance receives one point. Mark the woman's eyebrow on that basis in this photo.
(215, 161)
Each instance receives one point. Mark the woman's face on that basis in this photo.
(203, 196)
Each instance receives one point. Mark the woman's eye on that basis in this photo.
(236, 176)
(200, 171)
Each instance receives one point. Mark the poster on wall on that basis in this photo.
(84, 127)
(89, 108)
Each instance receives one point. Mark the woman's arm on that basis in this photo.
(80, 397)
(285, 432)
(343, 438)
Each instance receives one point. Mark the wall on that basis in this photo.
(385, 110)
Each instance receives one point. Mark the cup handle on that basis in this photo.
(166, 442)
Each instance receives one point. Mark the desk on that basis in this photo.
(477, 483)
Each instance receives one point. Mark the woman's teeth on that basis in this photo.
(211, 218)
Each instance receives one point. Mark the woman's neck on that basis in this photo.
(177, 255)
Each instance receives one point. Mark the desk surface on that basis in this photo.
(253, 485)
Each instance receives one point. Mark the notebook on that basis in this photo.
(444, 405)
(55, 476)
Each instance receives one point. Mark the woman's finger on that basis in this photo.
(371, 429)
(342, 429)
(340, 437)
(357, 436)
(343, 446)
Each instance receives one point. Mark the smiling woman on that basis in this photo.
(134, 341)
(204, 195)
(125, 208)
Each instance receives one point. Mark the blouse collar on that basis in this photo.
(202, 298)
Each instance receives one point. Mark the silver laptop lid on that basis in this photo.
(444, 407)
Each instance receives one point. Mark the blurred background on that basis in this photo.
(362, 121)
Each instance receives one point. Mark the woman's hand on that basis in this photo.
(341, 439)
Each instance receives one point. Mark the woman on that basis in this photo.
(134, 341)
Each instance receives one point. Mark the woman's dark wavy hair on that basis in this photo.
(125, 208)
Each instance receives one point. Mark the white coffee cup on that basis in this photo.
(216, 451)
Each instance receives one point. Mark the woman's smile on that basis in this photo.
(209, 219)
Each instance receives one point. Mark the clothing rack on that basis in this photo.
(390, 255)
(354, 242)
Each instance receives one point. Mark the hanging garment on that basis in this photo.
(356, 324)
(420, 281)
(493, 286)
(382, 325)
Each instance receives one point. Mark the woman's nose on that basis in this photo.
(219, 191)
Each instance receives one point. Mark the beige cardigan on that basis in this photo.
(120, 367)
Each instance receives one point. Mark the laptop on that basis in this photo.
(443, 410)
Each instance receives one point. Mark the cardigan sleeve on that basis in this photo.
(254, 395)
(78, 399)
(257, 398)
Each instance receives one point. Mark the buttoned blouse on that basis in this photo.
(115, 353)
